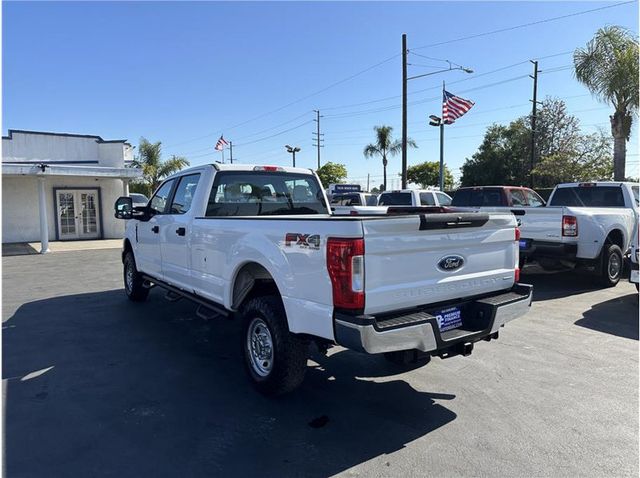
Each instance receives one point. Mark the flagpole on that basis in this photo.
(442, 143)
(222, 151)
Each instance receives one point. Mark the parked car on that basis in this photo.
(259, 243)
(414, 197)
(139, 199)
(587, 225)
(496, 196)
(354, 199)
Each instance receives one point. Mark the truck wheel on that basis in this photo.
(133, 280)
(275, 359)
(610, 265)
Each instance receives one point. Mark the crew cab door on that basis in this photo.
(148, 254)
(175, 242)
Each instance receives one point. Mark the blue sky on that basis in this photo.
(183, 73)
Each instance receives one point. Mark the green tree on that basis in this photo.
(608, 67)
(332, 173)
(562, 150)
(502, 157)
(154, 168)
(385, 146)
(590, 159)
(427, 174)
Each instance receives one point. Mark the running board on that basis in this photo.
(172, 296)
(214, 307)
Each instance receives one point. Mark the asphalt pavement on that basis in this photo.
(95, 385)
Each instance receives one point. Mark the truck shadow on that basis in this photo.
(618, 316)
(96, 385)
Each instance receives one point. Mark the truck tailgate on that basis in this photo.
(540, 223)
(405, 259)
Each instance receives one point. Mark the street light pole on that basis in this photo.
(405, 79)
(293, 150)
(404, 111)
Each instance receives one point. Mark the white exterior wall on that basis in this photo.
(21, 216)
(48, 147)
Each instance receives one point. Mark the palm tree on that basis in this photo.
(608, 67)
(154, 169)
(384, 146)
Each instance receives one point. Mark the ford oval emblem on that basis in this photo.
(451, 263)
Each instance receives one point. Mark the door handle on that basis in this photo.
(155, 229)
(181, 231)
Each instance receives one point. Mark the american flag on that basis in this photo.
(453, 107)
(221, 144)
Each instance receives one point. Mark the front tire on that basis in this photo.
(274, 358)
(611, 265)
(133, 281)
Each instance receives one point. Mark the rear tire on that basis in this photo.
(610, 267)
(274, 358)
(133, 281)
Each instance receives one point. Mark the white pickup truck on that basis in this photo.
(584, 224)
(414, 197)
(587, 225)
(259, 243)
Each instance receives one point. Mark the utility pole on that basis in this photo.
(231, 151)
(318, 137)
(367, 182)
(404, 111)
(533, 119)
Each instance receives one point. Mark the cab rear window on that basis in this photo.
(265, 194)
(593, 196)
(477, 198)
(395, 199)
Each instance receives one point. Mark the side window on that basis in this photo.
(184, 194)
(517, 197)
(443, 199)
(159, 199)
(426, 199)
(354, 200)
(534, 199)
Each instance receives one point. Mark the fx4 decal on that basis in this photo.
(304, 241)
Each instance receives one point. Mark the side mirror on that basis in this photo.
(124, 208)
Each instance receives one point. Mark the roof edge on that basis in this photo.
(68, 135)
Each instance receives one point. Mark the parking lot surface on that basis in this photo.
(95, 385)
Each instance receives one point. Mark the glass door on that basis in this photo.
(78, 214)
(67, 215)
(88, 214)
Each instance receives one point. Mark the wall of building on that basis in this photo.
(21, 214)
(48, 147)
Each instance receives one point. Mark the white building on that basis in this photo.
(62, 186)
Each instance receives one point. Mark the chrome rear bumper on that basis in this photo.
(418, 329)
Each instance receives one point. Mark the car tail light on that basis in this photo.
(517, 233)
(569, 226)
(345, 262)
(517, 276)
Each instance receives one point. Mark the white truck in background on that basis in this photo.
(587, 224)
(414, 197)
(259, 243)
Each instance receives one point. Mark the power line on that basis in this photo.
(322, 90)
(523, 25)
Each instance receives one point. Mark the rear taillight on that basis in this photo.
(517, 233)
(569, 226)
(345, 262)
(517, 276)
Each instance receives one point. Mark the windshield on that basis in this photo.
(588, 196)
(248, 193)
(395, 199)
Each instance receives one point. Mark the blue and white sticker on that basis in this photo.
(449, 319)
